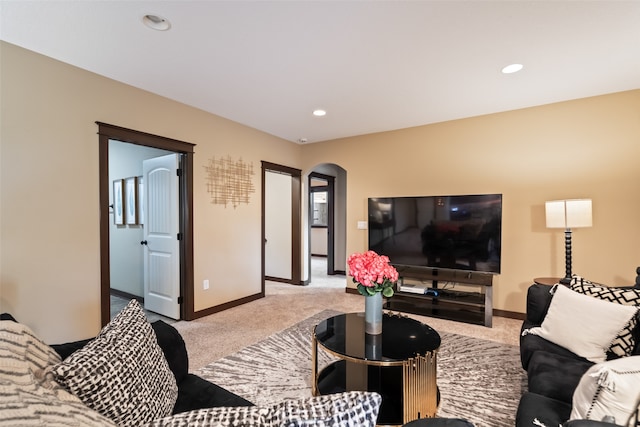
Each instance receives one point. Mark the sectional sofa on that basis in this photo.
(136, 374)
(580, 346)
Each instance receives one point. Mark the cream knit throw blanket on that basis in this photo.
(28, 393)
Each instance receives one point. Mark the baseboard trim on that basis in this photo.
(509, 314)
(226, 306)
(126, 295)
(280, 280)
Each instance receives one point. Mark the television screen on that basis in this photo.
(452, 232)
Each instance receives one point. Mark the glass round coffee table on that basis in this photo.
(399, 363)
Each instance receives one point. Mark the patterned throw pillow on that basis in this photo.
(609, 389)
(624, 343)
(348, 409)
(122, 373)
(228, 416)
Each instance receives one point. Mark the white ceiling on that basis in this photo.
(373, 65)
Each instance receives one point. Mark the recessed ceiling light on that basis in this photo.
(156, 22)
(513, 68)
(319, 113)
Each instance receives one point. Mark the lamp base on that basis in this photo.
(565, 281)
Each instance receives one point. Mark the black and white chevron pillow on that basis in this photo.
(123, 373)
(624, 343)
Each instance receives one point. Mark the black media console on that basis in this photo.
(466, 296)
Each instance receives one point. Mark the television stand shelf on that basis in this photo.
(462, 295)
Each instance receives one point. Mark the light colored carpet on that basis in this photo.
(479, 380)
(221, 334)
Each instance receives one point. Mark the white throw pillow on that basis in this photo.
(610, 388)
(582, 324)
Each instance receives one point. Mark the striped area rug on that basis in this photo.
(479, 380)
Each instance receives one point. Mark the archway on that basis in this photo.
(332, 178)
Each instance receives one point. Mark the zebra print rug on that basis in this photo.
(479, 380)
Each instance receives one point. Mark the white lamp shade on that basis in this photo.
(579, 213)
(555, 214)
(575, 213)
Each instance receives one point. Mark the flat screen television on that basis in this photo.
(444, 232)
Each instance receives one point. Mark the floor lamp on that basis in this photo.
(568, 214)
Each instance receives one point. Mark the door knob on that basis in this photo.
(144, 242)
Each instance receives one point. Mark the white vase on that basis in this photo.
(373, 314)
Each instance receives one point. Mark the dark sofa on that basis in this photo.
(553, 372)
(193, 391)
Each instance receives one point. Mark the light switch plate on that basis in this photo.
(362, 225)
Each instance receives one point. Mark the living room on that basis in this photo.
(583, 147)
(50, 253)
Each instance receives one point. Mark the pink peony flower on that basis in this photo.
(372, 273)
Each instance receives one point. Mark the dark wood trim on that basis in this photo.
(186, 149)
(186, 248)
(105, 275)
(274, 167)
(330, 189)
(227, 305)
(509, 314)
(263, 238)
(331, 232)
(281, 280)
(143, 138)
(296, 222)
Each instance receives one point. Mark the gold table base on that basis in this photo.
(420, 390)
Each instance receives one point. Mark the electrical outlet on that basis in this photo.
(205, 284)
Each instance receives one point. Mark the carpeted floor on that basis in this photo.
(478, 379)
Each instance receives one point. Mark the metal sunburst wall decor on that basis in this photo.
(229, 181)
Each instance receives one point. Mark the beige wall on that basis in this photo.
(586, 148)
(49, 259)
(49, 252)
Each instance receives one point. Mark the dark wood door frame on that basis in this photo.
(330, 188)
(185, 149)
(296, 222)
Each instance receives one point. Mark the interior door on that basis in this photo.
(277, 218)
(160, 241)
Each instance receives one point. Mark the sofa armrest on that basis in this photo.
(195, 392)
(65, 350)
(173, 347)
(538, 301)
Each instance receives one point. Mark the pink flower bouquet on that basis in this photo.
(372, 273)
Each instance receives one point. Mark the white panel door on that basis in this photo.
(277, 220)
(161, 227)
